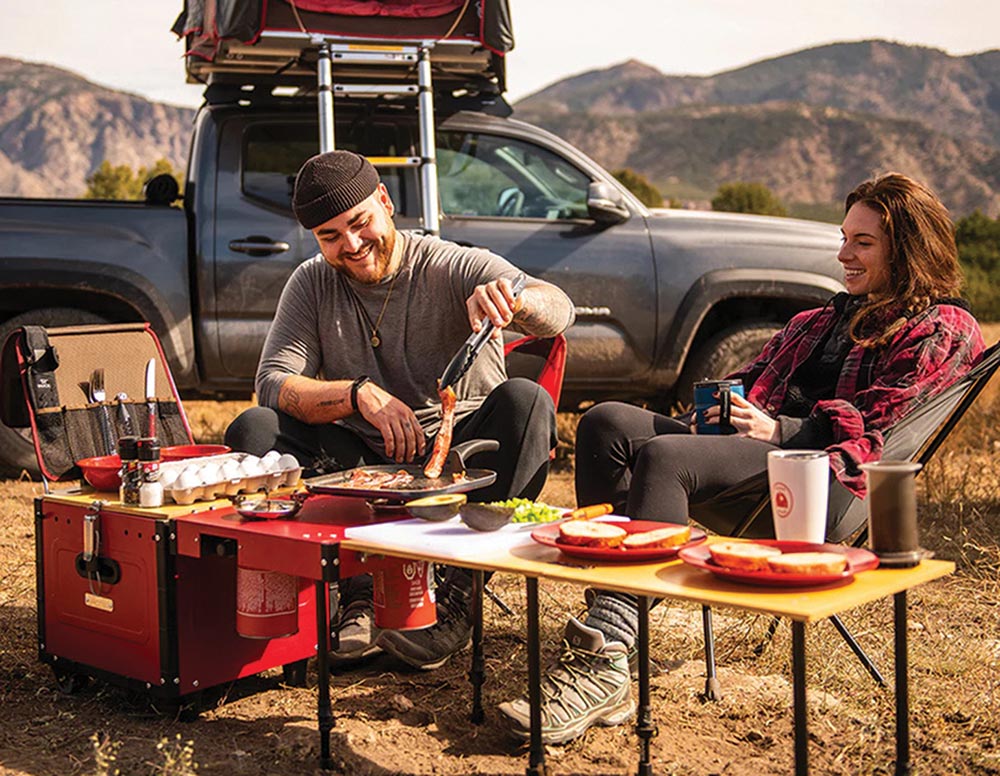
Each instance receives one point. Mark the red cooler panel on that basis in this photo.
(110, 627)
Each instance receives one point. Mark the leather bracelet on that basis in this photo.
(355, 386)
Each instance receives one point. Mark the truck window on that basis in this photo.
(492, 176)
(273, 154)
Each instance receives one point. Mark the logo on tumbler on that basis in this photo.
(411, 569)
(782, 500)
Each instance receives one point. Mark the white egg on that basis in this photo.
(231, 470)
(192, 469)
(252, 468)
(168, 477)
(287, 462)
(188, 479)
(210, 473)
(270, 456)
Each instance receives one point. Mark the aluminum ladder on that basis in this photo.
(371, 54)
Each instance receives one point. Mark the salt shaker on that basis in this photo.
(151, 489)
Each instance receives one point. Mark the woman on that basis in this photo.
(834, 378)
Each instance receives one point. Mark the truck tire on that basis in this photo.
(723, 354)
(17, 451)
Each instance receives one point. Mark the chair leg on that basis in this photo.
(771, 630)
(713, 691)
(856, 648)
(498, 601)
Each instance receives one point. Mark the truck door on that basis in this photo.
(257, 240)
(528, 203)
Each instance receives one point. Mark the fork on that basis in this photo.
(98, 395)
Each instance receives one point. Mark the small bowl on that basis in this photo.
(436, 508)
(257, 506)
(102, 472)
(486, 517)
(181, 452)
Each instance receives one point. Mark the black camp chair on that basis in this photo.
(915, 438)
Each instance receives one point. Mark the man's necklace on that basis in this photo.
(375, 339)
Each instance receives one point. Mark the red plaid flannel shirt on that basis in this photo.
(874, 391)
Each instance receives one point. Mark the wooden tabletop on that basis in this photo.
(678, 580)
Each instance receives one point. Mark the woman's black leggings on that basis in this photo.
(651, 467)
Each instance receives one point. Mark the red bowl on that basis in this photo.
(102, 471)
(180, 452)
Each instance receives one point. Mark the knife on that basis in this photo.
(471, 348)
(151, 396)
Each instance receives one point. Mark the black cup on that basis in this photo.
(893, 534)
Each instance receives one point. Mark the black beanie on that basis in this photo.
(330, 184)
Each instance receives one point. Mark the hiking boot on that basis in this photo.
(431, 647)
(588, 685)
(589, 597)
(356, 629)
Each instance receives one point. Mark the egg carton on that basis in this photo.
(217, 476)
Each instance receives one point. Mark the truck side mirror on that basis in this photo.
(161, 189)
(605, 205)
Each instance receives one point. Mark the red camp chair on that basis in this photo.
(540, 359)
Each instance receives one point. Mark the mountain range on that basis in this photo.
(810, 125)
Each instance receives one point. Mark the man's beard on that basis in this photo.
(382, 250)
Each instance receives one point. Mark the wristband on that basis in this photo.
(355, 386)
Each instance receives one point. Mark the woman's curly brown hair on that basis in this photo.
(923, 257)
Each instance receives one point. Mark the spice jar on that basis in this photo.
(131, 477)
(150, 489)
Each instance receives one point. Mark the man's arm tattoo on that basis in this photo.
(548, 313)
(290, 401)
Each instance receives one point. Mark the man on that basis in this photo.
(348, 374)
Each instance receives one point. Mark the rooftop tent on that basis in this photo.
(269, 37)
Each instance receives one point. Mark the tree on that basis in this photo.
(639, 185)
(120, 182)
(978, 238)
(741, 197)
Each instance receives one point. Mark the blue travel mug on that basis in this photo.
(712, 393)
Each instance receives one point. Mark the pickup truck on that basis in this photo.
(663, 297)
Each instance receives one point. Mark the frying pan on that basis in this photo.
(339, 483)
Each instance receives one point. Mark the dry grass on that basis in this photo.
(397, 722)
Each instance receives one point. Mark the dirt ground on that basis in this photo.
(392, 720)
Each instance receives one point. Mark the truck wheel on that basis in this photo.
(724, 353)
(17, 451)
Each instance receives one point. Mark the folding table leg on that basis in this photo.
(325, 710)
(902, 686)
(799, 698)
(536, 753)
(644, 727)
(713, 691)
(477, 673)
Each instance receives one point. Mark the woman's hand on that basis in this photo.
(746, 419)
(401, 431)
(752, 422)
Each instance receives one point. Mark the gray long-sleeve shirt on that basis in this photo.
(318, 330)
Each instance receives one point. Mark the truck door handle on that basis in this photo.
(258, 245)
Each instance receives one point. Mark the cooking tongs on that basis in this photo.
(470, 350)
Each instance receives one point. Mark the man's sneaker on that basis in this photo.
(356, 629)
(431, 647)
(588, 685)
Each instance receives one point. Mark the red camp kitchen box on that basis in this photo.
(116, 600)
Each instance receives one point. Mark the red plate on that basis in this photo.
(548, 533)
(857, 560)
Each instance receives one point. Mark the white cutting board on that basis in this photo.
(450, 539)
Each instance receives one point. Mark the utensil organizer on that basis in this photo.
(45, 381)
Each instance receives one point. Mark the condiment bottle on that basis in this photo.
(151, 489)
(130, 475)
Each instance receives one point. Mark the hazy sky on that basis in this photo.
(554, 38)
